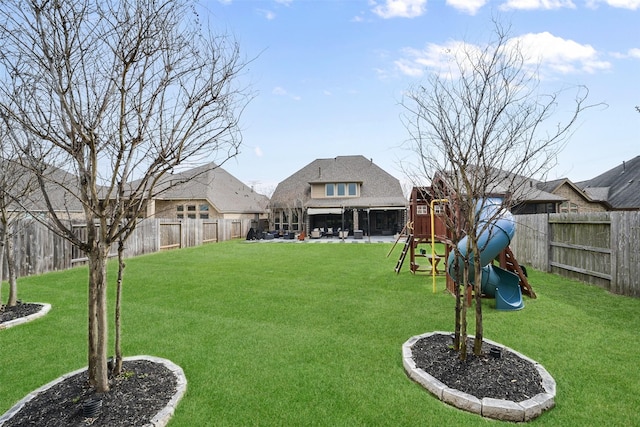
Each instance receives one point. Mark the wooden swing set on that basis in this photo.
(427, 241)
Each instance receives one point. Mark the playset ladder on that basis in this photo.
(403, 254)
(509, 262)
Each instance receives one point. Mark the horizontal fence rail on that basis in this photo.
(602, 248)
(39, 250)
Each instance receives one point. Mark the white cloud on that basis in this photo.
(433, 58)
(400, 8)
(280, 91)
(634, 53)
(470, 7)
(558, 54)
(554, 55)
(269, 15)
(258, 151)
(622, 4)
(537, 4)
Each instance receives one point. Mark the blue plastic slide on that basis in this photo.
(497, 282)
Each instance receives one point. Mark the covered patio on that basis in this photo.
(370, 221)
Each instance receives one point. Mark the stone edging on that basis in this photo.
(498, 409)
(161, 419)
(20, 320)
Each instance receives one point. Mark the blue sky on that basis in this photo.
(329, 75)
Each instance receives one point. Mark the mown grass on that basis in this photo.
(311, 334)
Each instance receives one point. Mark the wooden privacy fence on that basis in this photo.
(602, 248)
(38, 250)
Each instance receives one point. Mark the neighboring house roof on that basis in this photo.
(378, 188)
(521, 189)
(618, 187)
(61, 188)
(224, 192)
(553, 186)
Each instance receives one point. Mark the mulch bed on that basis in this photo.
(142, 390)
(136, 396)
(19, 310)
(507, 377)
(145, 387)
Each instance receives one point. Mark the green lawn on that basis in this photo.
(291, 334)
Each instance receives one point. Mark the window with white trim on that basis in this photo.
(341, 189)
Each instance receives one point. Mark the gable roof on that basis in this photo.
(378, 188)
(521, 188)
(62, 189)
(553, 186)
(619, 187)
(224, 192)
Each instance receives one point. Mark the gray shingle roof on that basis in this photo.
(378, 188)
(61, 187)
(619, 187)
(226, 193)
(521, 188)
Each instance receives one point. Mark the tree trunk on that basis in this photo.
(11, 269)
(459, 295)
(98, 369)
(477, 343)
(3, 235)
(117, 367)
(463, 311)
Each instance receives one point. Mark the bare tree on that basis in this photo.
(481, 129)
(14, 186)
(119, 93)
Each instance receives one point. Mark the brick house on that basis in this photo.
(343, 193)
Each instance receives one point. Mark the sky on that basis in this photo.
(329, 76)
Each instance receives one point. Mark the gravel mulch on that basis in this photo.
(507, 377)
(21, 309)
(137, 395)
(142, 390)
(146, 387)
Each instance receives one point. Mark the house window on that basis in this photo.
(191, 208)
(180, 208)
(204, 208)
(438, 209)
(191, 216)
(330, 189)
(568, 207)
(341, 189)
(422, 209)
(180, 216)
(204, 216)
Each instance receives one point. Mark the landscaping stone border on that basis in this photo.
(499, 409)
(161, 419)
(20, 320)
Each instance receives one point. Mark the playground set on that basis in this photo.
(428, 244)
